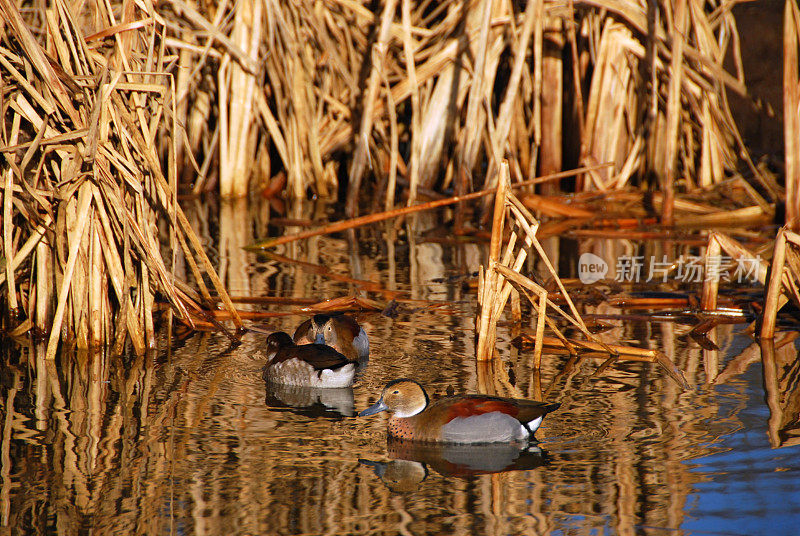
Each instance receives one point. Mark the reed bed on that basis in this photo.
(438, 94)
(435, 96)
(109, 110)
(92, 231)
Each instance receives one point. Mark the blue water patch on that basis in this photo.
(747, 487)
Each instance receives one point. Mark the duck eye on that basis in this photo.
(395, 392)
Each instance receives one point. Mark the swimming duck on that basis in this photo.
(457, 419)
(339, 331)
(311, 365)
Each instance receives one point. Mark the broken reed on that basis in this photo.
(434, 94)
(502, 279)
(86, 206)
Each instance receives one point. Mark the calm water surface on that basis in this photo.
(189, 440)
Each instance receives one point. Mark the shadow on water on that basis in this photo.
(190, 440)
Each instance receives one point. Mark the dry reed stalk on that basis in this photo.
(408, 50)
(734, 218)
(552, 206)
(618, 352)
(673, 113)
(717, 243)
(499, 135)
(605, 139)
(377, 55)
(8, 248)
(90, 187)
(712, 266)
(784, 279)
(693, 47)
(345, 303)
(477, 92)
(237, 103)
(548, 126)
(488, 278)
(791, 106)
(364, 220)
(318, 67)
(526, 284)
(540, 320)
(625, 352)
(394, 151)
(494, 286)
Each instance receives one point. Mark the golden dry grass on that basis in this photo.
(438, 94)
(109, 107)
(90, 122)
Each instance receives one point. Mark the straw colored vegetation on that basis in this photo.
(783, 279)
(109, 109)
(89, 125)
(434, 95)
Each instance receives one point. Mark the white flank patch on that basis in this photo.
(341, 377)
(535, 423)
(297, 372)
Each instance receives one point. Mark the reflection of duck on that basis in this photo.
(311, 365)
(412, 459)
(339, 331)
(457, 419)
(312, 401)
(398, 475)
(454, 459)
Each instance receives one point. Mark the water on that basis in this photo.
(189, 440)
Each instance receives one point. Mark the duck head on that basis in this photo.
(402, 398)
(276, 341)
(326, 331)
(319, 329)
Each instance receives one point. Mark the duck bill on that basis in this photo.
(377, 407)
(320, 338)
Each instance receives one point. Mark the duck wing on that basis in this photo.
(319, 356)
(471, 405)
(530, 410)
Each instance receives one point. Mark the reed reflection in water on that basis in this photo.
(184, 443)
(189, 440)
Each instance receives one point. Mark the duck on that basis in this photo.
(339, 331)
(457, 419)
(308, 365)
